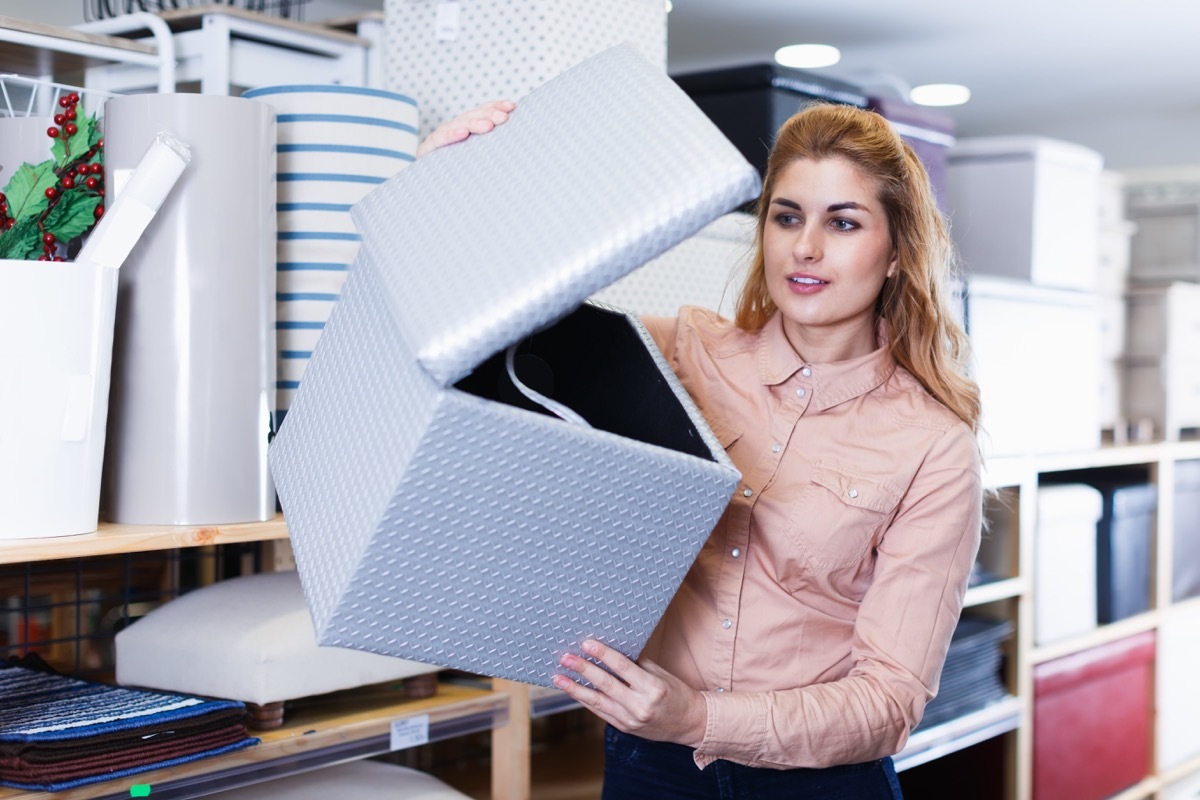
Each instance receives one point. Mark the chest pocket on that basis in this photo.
(840, 514)
(726, 434)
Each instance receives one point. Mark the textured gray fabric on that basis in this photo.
(440, 525)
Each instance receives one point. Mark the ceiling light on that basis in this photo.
(808, 56)
(940, 94)
(670, 6)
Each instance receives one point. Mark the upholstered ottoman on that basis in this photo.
(251, 639)
(357, 780)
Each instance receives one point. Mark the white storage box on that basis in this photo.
(1164, 321)
(1113, 251)
(1165, 391)
(1178, 690)
(1112, 378)
(439, 515)
(704, 270)
(1025, 208)
(453, 56)
(1166, 244)
(1110, 199)
(1036, 355)
(1112, 312)
(1065, 561)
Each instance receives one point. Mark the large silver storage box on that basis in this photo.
(436, 514)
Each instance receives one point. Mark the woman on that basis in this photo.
(810, 633)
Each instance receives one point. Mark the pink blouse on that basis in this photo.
(818, 614)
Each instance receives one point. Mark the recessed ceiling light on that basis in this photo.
(940, 94)
(808, 56)
(670, 6)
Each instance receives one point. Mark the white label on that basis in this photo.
(447, 25)
(410, 732)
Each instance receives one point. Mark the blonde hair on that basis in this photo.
(924, 336)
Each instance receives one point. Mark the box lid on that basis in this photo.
(1000, 148)
(765, 75)
(484, 242)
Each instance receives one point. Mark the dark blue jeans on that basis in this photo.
(639, 768)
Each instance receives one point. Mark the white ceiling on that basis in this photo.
(1120, 76)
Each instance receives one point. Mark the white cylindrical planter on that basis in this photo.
(194, 353)
(56, 329)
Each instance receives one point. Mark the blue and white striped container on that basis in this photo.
(335, 144)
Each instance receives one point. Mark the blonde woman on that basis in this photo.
(810, 633)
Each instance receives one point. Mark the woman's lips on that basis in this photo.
(805, 284)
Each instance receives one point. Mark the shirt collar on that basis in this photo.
(834, 382)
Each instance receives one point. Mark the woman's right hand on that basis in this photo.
(481, 119)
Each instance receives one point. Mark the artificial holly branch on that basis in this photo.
(59, 200)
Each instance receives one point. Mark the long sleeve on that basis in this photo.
(900, 638)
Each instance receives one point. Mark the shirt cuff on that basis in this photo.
(736, 728)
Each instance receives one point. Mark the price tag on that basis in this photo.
(446, 25)
(410, 732)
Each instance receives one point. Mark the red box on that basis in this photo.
(1092, 724)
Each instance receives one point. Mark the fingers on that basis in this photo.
(479, 120)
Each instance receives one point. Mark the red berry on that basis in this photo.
(99, 145)
(43, 258)
(71, 128)
(74, 97)
(48, 238)
(71, 113)
(99, 212)
(64, 101)
(51, 193)
(92, 183)
(59, 119)
(68, 182)
(52, 133)
(100, 191)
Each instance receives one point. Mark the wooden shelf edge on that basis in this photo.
(1179, 772)
(1112, 632)
(957, 734)
(312, 741)
(1004, 589)
(1140, 790)
(110, 539)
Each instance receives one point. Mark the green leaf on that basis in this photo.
(26, 190)
(22, 241)
(72, 216)
(70, 148)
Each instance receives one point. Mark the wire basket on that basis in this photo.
(32, 97)
(106, 9)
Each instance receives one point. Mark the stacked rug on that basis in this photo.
(58, 732)
(972, 678)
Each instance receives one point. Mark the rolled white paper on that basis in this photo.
(136, 203)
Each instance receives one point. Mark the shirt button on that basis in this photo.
(800, 393)
(748, 492)
(806, 372)
(735, 552)
(775, 448)
(853, 493)
(720, 689)
(726, 623)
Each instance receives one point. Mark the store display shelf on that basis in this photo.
(1112, 632)
(317, 733)
(993, 591)
(1145, 788)
(32, 48)
(958, 734)
(111, 539)
(1180, 771)
(543, 702)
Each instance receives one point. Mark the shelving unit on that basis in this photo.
(1017, 478)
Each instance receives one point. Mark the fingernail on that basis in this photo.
(499, 116)
(590, 646)
(569, 661)
(560, 681)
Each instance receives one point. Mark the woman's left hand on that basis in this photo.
(644, 700)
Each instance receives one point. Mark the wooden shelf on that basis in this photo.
(34, 49)
(111, 539)
(992, 591)
(1112, 632)
(957, 734)
(317, 732)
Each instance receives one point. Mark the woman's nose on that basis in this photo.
(807, 246)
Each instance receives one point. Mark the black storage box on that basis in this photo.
(1123, 551)
(750, 103)
(928, 131)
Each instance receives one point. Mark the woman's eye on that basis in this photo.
(844, 224)
(787, 219)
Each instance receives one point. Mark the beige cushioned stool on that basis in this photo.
(357, 780)
(251, 639)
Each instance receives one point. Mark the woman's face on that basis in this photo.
(827, 250)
